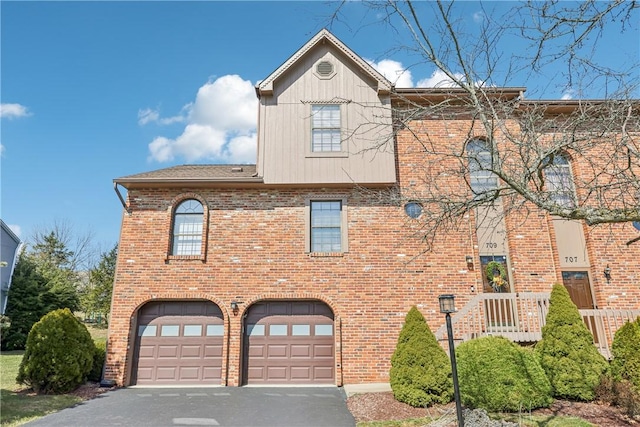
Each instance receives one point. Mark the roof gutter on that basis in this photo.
(124, 204)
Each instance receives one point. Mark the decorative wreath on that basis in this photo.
(500, 280)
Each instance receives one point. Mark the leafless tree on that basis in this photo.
(577, 158)
(72, 248)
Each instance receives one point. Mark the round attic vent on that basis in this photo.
(324, 68)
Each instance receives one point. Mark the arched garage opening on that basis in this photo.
(289, 342)
(178, 343)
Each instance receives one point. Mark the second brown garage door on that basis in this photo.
(179, 343)
(289, 342)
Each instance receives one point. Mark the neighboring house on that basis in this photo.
(9, 250)
(300, 269)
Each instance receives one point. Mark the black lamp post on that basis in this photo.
(447, 306)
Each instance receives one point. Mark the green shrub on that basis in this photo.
(58, 355)
(99, 356)
(567, 353)
(498, 375)
(626, 354)
(5, 323)
(420, 369)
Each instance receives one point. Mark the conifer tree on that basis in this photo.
(420, 369)
(567, 353)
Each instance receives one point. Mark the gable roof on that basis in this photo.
(265, 87)
(9, 232)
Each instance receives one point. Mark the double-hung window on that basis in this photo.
(325, 128)
(559, 181)
(482, 179)
(326, 226)
(187, 228)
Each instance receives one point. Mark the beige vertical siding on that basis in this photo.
(284, 153)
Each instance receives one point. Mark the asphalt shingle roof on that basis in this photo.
(199, 173)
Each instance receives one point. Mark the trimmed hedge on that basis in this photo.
(567, 353)
(626, 353)
(500, 376)
(420, 369)
(58, 355)
(99, 356)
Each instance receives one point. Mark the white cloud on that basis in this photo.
(569, 94)
(394, 72)
(1, 150)
(12, 111)
(221, 125)
(439, 79)
(149, 115)
(478, 17)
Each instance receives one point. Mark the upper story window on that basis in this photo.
(326, 226)
(325, 128)
(187, 228)
(557, 172)
(482, 180)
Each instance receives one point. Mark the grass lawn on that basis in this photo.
(17, 406)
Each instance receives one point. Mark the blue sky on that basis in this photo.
(92, 91)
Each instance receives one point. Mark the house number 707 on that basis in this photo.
(571, 259)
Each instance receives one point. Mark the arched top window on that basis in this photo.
(482, 180)
(557, 172)
(187, 228)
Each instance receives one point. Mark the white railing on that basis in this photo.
(604, 323)
(521, 316)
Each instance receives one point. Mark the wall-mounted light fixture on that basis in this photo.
(234, 307)
(472, 288)
(607, 273)
(469, 260)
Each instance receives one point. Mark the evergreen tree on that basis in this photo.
(626, 354)
(96, 297)
(26, 303)
(420, 369)
(567, 353)
(54, 262)
(59, 354)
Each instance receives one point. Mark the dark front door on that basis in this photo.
(579, 288)
(499, 311)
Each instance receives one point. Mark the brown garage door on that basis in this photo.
(289, 342)
(179, 342)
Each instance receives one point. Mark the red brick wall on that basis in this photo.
(255, 249)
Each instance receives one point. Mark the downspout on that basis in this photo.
(124, 204)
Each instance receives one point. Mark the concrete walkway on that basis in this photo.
(224, 406)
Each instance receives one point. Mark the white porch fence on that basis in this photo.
(521, 316)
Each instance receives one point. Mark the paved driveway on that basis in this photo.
(223, 406)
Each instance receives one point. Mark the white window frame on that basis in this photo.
(559, 181)
(481, 179)
(187, 242)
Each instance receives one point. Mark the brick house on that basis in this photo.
(300, 269)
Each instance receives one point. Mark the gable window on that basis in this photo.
(187, 228)
(482, 180)
(325, 128)
(327, 226)
(559, 181)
